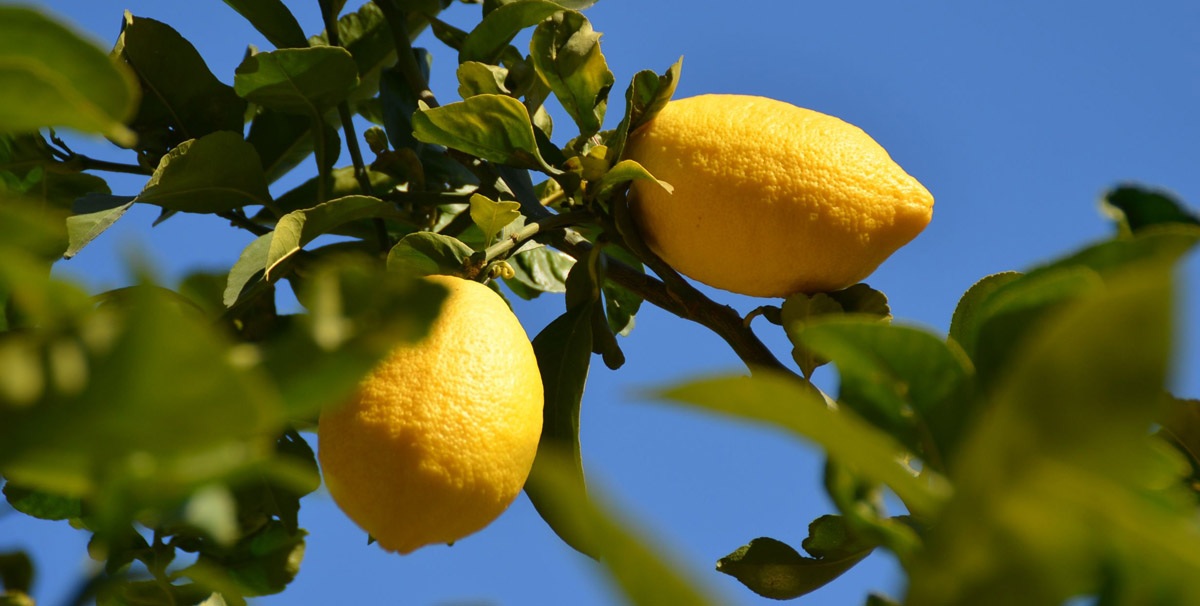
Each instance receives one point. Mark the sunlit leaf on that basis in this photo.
(475, 78)
(542, 269)
(306, 81)
(94, 213)
(492, 127)
(250, 265)
(498, 28)
(300, 227)
(50, 76)
(492, 216)
(427, 253)
(625, 171)
(647, 94)
(215, 173)
(566, 53)
(273, 20)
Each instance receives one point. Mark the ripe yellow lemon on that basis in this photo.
(440, 437)
(770, 199)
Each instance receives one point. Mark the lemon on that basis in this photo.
(770, 199)
(440, 437)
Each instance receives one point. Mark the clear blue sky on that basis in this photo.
(1015, 115)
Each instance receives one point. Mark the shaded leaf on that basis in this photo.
(284, 140)
(342, 182)
(493, 127)
(499, 26)
(300, 227)
(647, 94)
(830, 537)
(428, 253)
(215, 173)
(1138, 207)
(306, 81)
(260, 564)
(492, 216)
(50, 76)
(42, 505)
(273, 20)
(29, 170)
(1181, 421)
(774, 570)
(249, 266)
(566, 53)
(862, 299)
(786, 403)
(16, 572)
(94, 213)
(398, 101)
(795, 313)
(965, 322)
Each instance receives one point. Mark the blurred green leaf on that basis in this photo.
(786, 403)
(284, 140)
(305, 81)
(205, 290)
(42, 505)
(273, 20)
(625, 171)
(30, 171)
(774, 570)
(492, 216)
(564, 352)
(499, 26)
(16, 571)
(1181, 421)
(263, 498)
(250, 264)
(53, 77)
(427, 253)
(644, 576)
(647, 94)
(36, 231)
(213, 510)
(475, 78)
(493, 127)
(215, 173)
(260, 564)
(94, 213)
(181, 99)
(300, 227)
(1137, 208)
(566, 53)
(903, 380)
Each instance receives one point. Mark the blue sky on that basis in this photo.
(1015, 115)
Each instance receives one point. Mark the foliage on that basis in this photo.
(165, 420)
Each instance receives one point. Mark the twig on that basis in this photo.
(240, 220)
(405, 59)
(519, 237)
(85, 163)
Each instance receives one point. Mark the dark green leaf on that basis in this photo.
(205, 290)
(398, 101)
(94, 213)
(181, 99)
(1137, 208)
(261, 564)
(498, 28)
(215, 173)
(566, 53)
(862, 299)
(151, 593)
(903, 380)
(448, 34)
(876, 599)
(250, 265)
(604, 342)
(28, 169)
(492, 216)
(542, 269)
(50, 76)
(830, 537)
(647, 94)
(342, 182)
(265, 498)
(16, 571)
(42, 505)
(493, 127)
(965, 323)
(273, 20)
(475, 78)
(564, 351)
(620, 306)
(283, 141)
(774, 570)
(427, 253)
(32, 229)
(644, 576)
(305, 81)
(300, 227)
(368, 37)
(797, 311)
(787, 403)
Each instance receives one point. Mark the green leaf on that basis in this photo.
(797, 311)
(644, 576)
(50, 76)
(566, 53)
(260, 564)
(788, 404)
(493, 127)
(499, 26)
(492, 216)
(181, 99)
(564, 352)
(620, 306)
(475, 78)
(1136, 208)
(16, 572)
(251, 264)
(42, 505)
(903, 380)
(300, 227)
(306, 81)
(862, 299)
(94, 213)
(966, 320)
(29, 170)
(283, 141)
(542, 269)
(368, 37)
(273, 20)
(342, 182)
(264, 498)
(625, 171)
(774, 570)
(215, 173)
(647, 94)
(1181, 421)
(427, 253)
(831, 537)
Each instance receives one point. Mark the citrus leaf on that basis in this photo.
(784, 402)
(644, 576)
(213, 511)
(862, 299)
(181, 98)
(306, 81)
(214, 173)
(273, 20)
(1138, 208)
(566, 54)
(795, 313)
(774, 570)
(29, 170)
(263, 563)
(50, 76)
(284, 140)
(493, 127)
(475, 78)
(368, 37)
(965, 323)
(564, 352)
(492, 216)
(499, 26)
(249, 266)
(428, 253)
(542, 269)
(94, 213)
(42, 505)
(625, 171)
(647, 94)
(831, 537)
(342, 182)
(298, 228)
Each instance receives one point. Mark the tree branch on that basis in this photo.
(405, 60)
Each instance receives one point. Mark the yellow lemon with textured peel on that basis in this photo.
(440, 437)
(770, 199)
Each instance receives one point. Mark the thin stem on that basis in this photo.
(520, 236)
(405, 59)
(86, 163)
(240, 220)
